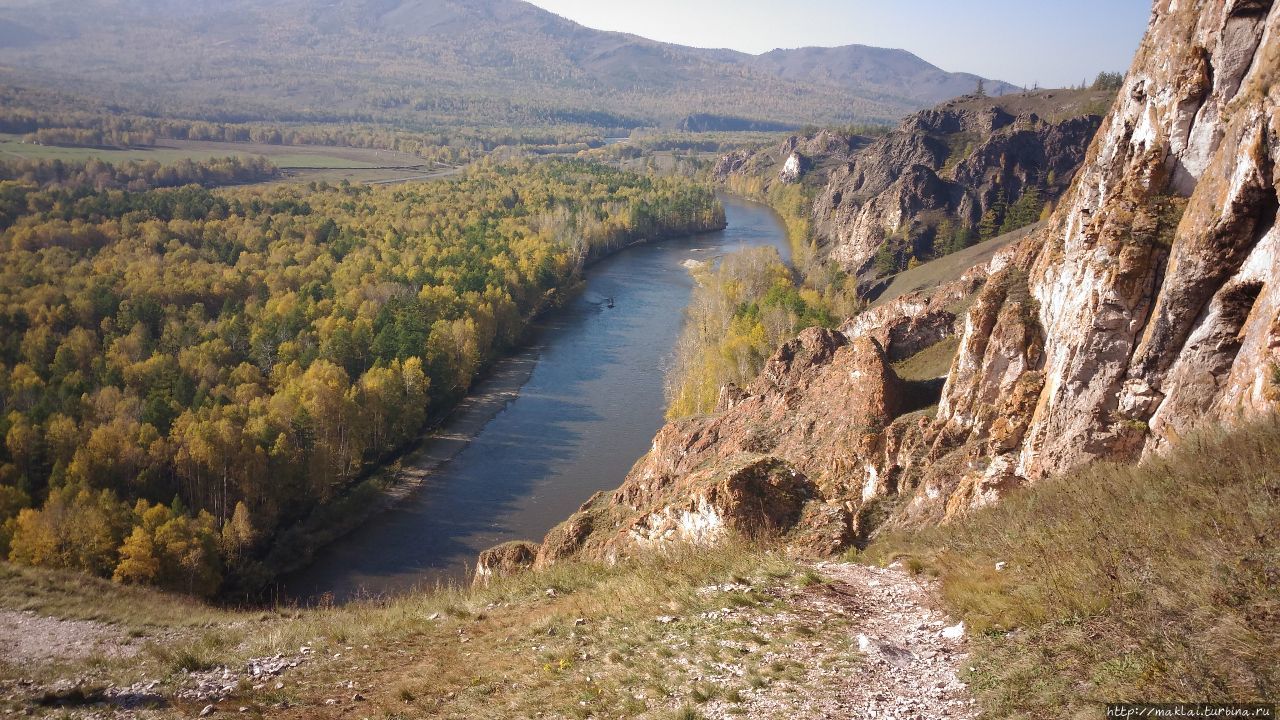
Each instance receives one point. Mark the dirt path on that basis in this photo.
(910, 654)
(26, 637)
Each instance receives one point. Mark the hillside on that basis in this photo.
(1143, 310)
(1030, 478)
(965, 170)
(417, 62)
(732, 631)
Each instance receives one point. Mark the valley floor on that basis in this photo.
(734, 635)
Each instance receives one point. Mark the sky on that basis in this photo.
(1054, 43)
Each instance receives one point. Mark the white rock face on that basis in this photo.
(703, 524)
(1151, 326)
(791, 170)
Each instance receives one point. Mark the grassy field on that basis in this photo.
(1157, 582)
(300, 163)
(948, 267)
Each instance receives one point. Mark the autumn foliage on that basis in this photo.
(184, 373)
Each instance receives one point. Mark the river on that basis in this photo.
(586, 400)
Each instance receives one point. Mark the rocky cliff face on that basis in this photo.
(1154, 289)
(810, 158)
(923, 189)
(952, 164)
(1146, 307)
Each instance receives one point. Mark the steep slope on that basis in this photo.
(1144, 308)
(732, 632)
(953, 164)
(968, 169)
(497, 61)
(1154, 287)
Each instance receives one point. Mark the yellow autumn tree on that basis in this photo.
(77, 529)
(172, 551)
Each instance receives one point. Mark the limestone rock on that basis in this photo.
(505, 559)
(955, 161)
(1155, 283)
(792, 169)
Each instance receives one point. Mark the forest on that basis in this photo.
(98, 175)
(742, 310)
(186, 373)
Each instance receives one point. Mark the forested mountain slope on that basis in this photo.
(423, 61)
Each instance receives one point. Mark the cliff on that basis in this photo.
(1145, 306)
(966, 159)
(934, 183)
(1152, 292)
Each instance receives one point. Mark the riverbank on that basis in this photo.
(405, 474)
(591, 413)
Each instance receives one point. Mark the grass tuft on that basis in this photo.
(1152, 582)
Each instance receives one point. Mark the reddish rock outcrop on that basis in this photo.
(505, 559)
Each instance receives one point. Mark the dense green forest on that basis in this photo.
(185, 373)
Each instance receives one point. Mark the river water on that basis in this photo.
(590, 403)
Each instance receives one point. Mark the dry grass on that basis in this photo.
(576, 640)
(76, 596)
(1122, 583)
(934, 273)
(931, 363)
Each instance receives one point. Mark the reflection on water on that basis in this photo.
(586, 414)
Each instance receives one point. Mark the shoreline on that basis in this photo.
(401, 475)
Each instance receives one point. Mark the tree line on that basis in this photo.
(137, 175)
(52, 119)
(187, 373)
(742, 310)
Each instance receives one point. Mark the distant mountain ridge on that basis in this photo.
(438, 60)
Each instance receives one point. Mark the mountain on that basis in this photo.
(872, 72)
(419, 62)
(924, 188)
(1143, 311)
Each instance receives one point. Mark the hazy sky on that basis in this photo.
(1053, 42)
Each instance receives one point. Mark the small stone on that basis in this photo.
(242, 709)
(279, 686)
(955, 632)
(580, 621)
(331, 701)
(207, 711)
(1000, 566)
(551, 592)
